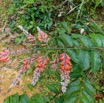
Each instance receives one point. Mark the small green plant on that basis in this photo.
(20, 38)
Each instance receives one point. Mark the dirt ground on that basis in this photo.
(8, 74)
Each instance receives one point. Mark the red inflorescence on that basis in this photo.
(26, 64)
(4, 56)
(43, 37)
(65, 67)
(42, 62)
(65, 63)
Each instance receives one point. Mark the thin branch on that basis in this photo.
(21, 51)
(60, 48)
(74, 48)
(72, 10)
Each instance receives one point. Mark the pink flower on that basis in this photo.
(26, 65)
(4, 56)
(17, 78)
(65, 70)
(42, 62)
(43, 37)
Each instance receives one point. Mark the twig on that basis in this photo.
(72, 10)
(21, 51)
(73, 48)
(24, 31)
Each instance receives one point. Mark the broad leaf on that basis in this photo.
(37, 98)
(79, 91)
(85, 41)
(95, 60)
(84, 59)
(14, 98)
(102, 39)
(96, 40)
(66, 39)
(24, 98)
(73, 55)
(52, 88)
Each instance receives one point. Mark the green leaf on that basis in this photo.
(73, 99)
(72, 89)
(95, 38)
(17, 41)
(86, 98)
(58, 75)
(75, 74)
(14, 98)
(29, 85)
(6, 100)
(24, 98)
(66, 39)
(95, 60)
(52, 88)
(85, 41)
(79, 91)
(37, 98)
(74, 83)
(89, 88)
(64, 23)
(84, 59)
(60, 43)
(29, 71)
(76, 43)
(29, 2)
(58, 100)
(73, 55)
(102, 39)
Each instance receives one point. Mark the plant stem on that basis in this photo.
(80, 9)
(74, 48)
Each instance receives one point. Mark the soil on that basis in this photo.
(8, 74)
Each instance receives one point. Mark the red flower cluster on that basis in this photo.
(65, 64)
(26, 65)
(42, 62)
(4, 56)
(65, 70)
(43, 37)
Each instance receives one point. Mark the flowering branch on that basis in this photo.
(65, 70)
(42, 62)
